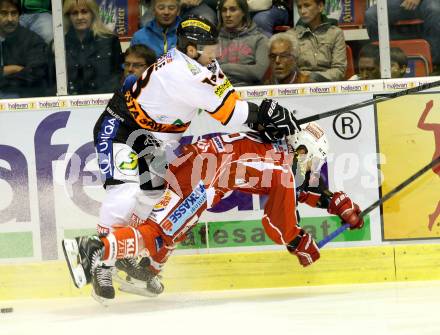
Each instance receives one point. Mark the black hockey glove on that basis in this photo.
(277, 121)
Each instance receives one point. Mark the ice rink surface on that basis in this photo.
(375, 309)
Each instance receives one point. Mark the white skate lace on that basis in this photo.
(96, 259)
(104, 276)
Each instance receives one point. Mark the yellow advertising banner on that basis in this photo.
(409, 138)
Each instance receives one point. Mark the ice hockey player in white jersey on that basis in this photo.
(153, 111)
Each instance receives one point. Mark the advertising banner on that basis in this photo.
(51, 189)
(120, 16)
(409, 138)
(347, 12)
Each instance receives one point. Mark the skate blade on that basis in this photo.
(102, 301)
(133, 286)
(131, 289)
(71, 254)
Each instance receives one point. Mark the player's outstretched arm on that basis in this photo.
(336, 203)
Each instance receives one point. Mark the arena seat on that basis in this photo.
(419, 56)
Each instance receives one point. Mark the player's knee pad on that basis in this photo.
(117, 207)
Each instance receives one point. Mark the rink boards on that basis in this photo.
(50, 189)
(186, 273)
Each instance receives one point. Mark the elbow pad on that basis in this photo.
(252, 119)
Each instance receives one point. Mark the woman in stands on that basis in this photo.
(243, 48)
(322, 53)
(93, 52)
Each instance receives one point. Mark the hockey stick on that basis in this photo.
(369, 102)
(379, 202)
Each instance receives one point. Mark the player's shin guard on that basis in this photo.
(122, 243)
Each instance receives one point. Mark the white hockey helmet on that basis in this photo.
(313, 138)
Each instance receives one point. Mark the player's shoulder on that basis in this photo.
(187, 65)
(165, 61)
(214, 67)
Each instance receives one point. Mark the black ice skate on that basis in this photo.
(103, 289)
(80, 254)
(83, 256)
(139, 280)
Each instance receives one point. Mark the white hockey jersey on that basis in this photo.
(167, 96)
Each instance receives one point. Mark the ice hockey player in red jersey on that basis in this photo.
(153, 111)
(203, 174)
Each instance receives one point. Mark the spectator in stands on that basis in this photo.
(23, 55)
(283, 53)
(369, 63)
(37, 16)
(399, 62)
(428, 10)
(198, 8)
(322, 47)
(93, 52)
(269, 13)
(137, 58)
(243, 48)
(160, 33)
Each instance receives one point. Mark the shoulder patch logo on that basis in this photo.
(222, 88)
(195, 70)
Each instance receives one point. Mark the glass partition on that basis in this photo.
(412, 27)
(91, 37)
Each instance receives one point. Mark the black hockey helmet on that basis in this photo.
(198, 30)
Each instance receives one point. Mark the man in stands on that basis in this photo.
(283, 53)
(23, 55)
(137, 58)
(160, 34)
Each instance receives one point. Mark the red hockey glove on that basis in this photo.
(346, 209)
(305, 248)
